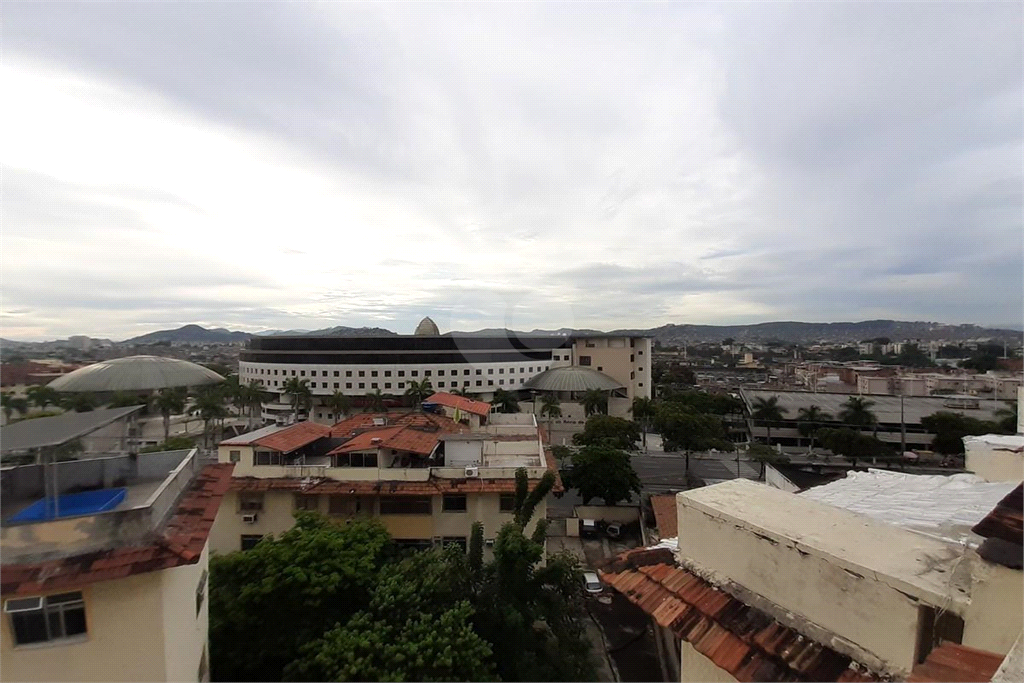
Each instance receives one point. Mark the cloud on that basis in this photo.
(318, 164)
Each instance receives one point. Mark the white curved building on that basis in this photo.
(475, 365)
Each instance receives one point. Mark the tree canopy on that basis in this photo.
(951, 428)
(683, 429)
(609, 430)
(853, 444)
(603, 471)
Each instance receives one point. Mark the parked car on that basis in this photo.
(614, 530)
(591, 583)
(588, 527)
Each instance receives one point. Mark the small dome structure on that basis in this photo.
(136, 373)
(572, 378)
(427, 328)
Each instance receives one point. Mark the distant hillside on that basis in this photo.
(190, 334)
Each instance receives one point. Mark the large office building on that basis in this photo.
(475, 365)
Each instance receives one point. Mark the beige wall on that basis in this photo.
(696, 668)
(277, 517)
(993, 620)
(125, 639)
(185, 631)
(617, 513)
(611, 355)
(993, 465)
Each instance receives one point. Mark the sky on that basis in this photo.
(262, 165)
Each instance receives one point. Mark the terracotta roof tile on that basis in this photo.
(737, 637)
(953, 662)
(294, 437)
(466, 405)
(181, 542)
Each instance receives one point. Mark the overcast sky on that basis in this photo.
(258, 165)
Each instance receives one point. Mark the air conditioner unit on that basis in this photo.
(250, 517)
(472, 471)
(23, 605)
(489, 542)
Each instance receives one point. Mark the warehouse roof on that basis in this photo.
(44, 432)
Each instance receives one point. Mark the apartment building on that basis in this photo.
(765, 585)
(426, 477)
(105, 578)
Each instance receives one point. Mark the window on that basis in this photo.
(440, 373)
(490, 371)
(387, 373)
(362, 373)
(639, 384)
(640, 353)
(401, 373)
(466, 371)
(234, 456)
(250, 502)
(348, 385)
(249, 541)
(507, 502)
(490, 382)
(590, 344)
(362, 385)
(415, 373)
(632, 375)
(302, 373)
(336, 373)
(387, 385)
(501, 381)
(441, 384)
(631, 358)
(335, 385)
(201, 591)
(267, 458)
(293, 373)
(401, 385)
(304, 502)
(479, 371)
(348, 373)
(38, 620)
(600, 369)
(501, 371)
(275, 372)
(355, 460)
(465, 383)
(323, 384)
(455, 502)
(584, 360)
(479, 383)
(640, 369)
(373, 373)
(449, 541)
(405, 505)
(373, 385)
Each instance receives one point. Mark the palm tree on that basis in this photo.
(810, 421)
(43, 395)
(12, 404)
(550, 407)
(339, 403)
(211, 408)
(767, 410)
(169, 402)
(301, 395)
(374, 402)
(80, 402)
(857, 412)
(1008, 418)
(458, 392)
(505, 401)
(595, 401)
(644, 410)
(253, 397)
(418, 392)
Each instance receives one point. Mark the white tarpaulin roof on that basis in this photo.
(940, 506)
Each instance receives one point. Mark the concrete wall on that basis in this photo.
(185, 631)
(125, 639)
(993, 620)
(776, 479)
(696, 668)
(612, 356)
(994, 461)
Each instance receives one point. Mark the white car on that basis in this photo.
(591, 583)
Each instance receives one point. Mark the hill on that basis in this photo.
(190, 334)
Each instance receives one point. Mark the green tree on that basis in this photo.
(682, 429)
(373, 401)
(418, 626)
(42, 396)
(615, 432)
(505, 401)
(169, 402)
(124, 399)
(853, 444)
(177, 443)
(210, 404)
(266, 603)
(551, 409)
(340, 404)
(300, 393)
(951, 428)
(810, 422)
(644, 411)
(1007, 416)
(602, 471)
(857, 412)
(418, 392)
(767, 411)
(252, 398)
(595, 401)
(80, 402)
(765, 455)
(12, 404)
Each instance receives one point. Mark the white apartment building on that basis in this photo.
(110, 583)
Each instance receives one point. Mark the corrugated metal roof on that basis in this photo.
(572, 378)
(738, 638)
(53, 431)
(940, 506)
(136, 373)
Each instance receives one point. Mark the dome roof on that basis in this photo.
(136, 373)
(572, 378)
(427, 328)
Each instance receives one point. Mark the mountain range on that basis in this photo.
(671, 334)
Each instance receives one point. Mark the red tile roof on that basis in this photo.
(181, 542)
(953, 662)
(665, 515)
(466, 405)
(365, 441)
(410, 432)
(1006, 521)
(294, 437)
(738, 638)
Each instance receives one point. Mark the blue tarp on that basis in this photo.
(72, 504)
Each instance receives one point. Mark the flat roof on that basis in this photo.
(886, 408)
(915, 564)
(59, 429)
(940, 506)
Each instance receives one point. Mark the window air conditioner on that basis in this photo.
(23, 605)
(489, 542)
(472, 471)
(249, 517)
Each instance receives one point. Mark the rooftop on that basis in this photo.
(918, 565)
(179, 542)
(885, 408)
(666, 515)
(942, 507)
(466, 405)
(44, 432)
(293, 437)
(136, 373)
(572, 378)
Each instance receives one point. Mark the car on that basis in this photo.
(588, 527)
(591, 583)
(614, 530)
